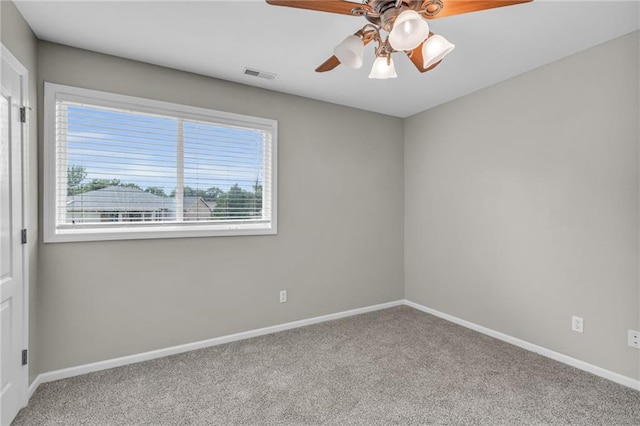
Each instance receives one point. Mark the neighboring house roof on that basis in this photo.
(118, 198)
(190, 202)
(123, 199)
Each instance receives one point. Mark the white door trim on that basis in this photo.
(24, 144)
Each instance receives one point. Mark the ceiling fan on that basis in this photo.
(403, 21)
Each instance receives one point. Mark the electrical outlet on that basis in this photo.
(283, 296)
(633, 339)
(577, 324)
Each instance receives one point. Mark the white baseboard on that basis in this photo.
(565, 359)
(146, 356)
(33, 387)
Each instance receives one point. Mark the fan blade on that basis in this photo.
(416, 57)
(458, 7)
(328, 65)
(333, 62)
(333, 6)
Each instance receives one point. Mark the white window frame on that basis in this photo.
(52, 233)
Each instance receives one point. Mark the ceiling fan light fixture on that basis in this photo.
(435, 49)
(383, 68)
(350, 52)
(409, 30)
(405, 21)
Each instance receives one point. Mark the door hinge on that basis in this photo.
(24, 357)
(24, 236)
(23, 114)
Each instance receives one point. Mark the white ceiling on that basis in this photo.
(220, 38)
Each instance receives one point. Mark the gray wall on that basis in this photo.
(521, 206)
(16, 36)
(339, 246)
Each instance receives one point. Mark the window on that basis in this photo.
(120, 167)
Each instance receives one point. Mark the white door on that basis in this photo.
(13, 375)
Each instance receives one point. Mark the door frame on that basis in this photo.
(22, 71)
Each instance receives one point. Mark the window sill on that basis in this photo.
(157, 232)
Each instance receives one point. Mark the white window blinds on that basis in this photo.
(133, 168)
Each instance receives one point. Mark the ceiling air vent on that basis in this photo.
(260, 74)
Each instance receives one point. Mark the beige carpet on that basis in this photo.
(397, 366)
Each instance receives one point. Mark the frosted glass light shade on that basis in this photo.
(409, 30)
(350, 52)
(382, 69)
(435, 49)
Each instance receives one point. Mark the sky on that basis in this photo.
(142, 149)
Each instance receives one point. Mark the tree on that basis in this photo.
(129, 185)
(257, 198)
(210, 194)
(75, 176)
(105, 183)
(239, 203)
(96, 184)
(156, 190)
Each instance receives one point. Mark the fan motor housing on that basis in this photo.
(386, 12)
